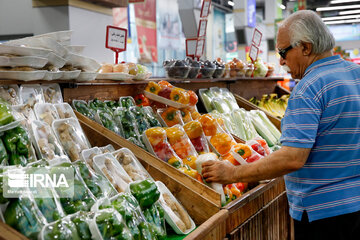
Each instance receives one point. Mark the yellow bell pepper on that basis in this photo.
(153, 87)
(174, 134)
(179, 95)
(190, 161)
(175, 162)
(221, 142)
(155, 135)
(193, 129)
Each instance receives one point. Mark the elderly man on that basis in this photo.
(320, 152)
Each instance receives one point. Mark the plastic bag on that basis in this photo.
(197, 137)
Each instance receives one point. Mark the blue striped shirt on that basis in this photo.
(323, 114)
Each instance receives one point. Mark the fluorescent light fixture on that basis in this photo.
(341, 17)
(343, 1)
(282, 7)
(343, 21)
(337, 8)
(349, 12)
(231, 3)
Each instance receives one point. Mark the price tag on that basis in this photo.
(202, 28)
(116, 39)
(200, 44)
(257, 37)
(136, 1)
(191, 47)
(254, 51)
(205, 9)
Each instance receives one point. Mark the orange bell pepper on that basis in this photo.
(195, 115)
(153, 87)
(179, 95)
(175, 162)
(155, 135)
(208, 124)
(229, 157)
(228, 194)
(235, 191)
(193, 129)
(170, 116)
(193, 98)
(163, 83)
(221, 142)
(174, 134)
(186, 115)
(190, 161)
(243, 150)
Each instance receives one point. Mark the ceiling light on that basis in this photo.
(337, 8)
(343, 21)
(231, 3)
(343, 1)
(349, 12)
(282, 7)
(340, 17)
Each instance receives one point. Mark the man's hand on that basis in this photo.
(218, 171)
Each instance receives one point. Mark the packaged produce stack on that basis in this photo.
(272, 104)
(190, 69)
(123, 71)
(113, 195)
(247, 125)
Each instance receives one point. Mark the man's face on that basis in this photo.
(294, 58)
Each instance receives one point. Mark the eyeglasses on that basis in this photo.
(282, 52)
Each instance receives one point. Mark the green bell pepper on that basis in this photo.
(16, 159)
(146, 231)
(5, 113)
(82, 226)
(20, 214)
(156, 221)
(61, 230)
(111, 226)
(10, 139)
(84, 110)
(48, 208)
(3, 154)
(145, 192)
(127, 102)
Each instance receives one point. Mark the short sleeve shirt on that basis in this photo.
(323, 114)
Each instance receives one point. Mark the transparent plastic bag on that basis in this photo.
(52, 93)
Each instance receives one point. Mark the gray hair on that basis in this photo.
(307, 26)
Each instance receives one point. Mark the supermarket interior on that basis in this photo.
(136, 101)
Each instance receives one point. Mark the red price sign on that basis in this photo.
(116, 39)
(191, 47)
(202, 28)
(257, 37)
(253, 53)
(136, 1)
(200, 44)
(205, 9)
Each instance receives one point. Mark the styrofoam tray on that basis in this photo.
(64, 110)
(135, 164)
(87, 76)
(77, 49)
(43, 42)
(142, 76)
(23, 51)
(55, 60)
(23, 75)
(30, 115)
(68, 75)
(163, 100)
(27, 61)
(41, 109)
(170, 216)
(123, 179)
(49, 76)
(55, 89)
(86, 63)
(85, 154)
(107, 149)
(115, 76)
(62, 37)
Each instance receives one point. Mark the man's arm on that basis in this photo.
(283, 161)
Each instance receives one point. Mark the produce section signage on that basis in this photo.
(116, 40)
(191, 47)
(254, 51)
(200, 44)
(257, 36)
(205, 9)
(202, 28)
(136, 1)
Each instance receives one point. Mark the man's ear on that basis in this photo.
(306, 48)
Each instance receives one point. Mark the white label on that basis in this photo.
(205, 9)
(116, 38)
(199, 47)
(254, 51)
(202, 28)
(191, 47)
(257, 37)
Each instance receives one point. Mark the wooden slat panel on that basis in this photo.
(243, 103)
(214, 228)
(7, 232)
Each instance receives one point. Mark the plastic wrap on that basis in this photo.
(151, 117)
(127, 102)
(140, 118)
(64, 110)
(106, 119)
(197, 137)
(109, 167)
(10, 93)
(126, 120)
(52, 93)
(46, 112)
(82, 107)
(170, 116)
(31, 94)
(131, 164)
(180, 142)
(81, 221)
(89, 154)
(62, 229)
(71, 136)
(46, 143)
